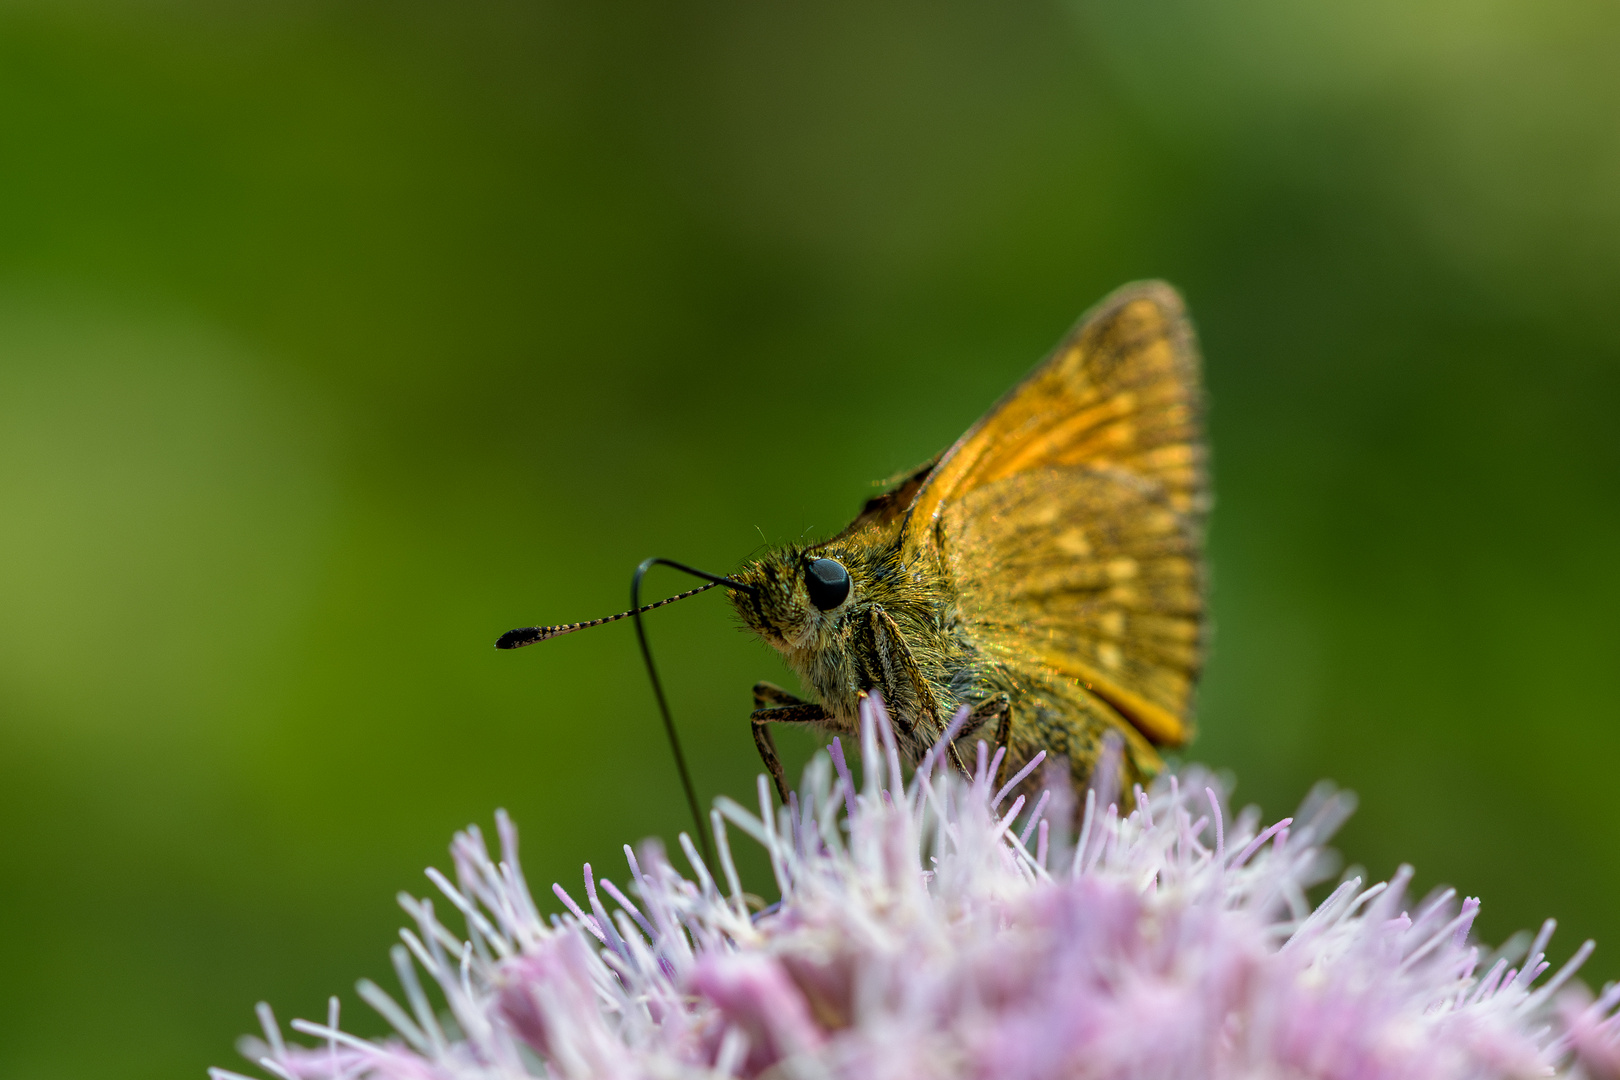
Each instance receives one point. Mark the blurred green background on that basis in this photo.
(337, 338)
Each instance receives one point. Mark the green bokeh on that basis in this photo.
(335, 339)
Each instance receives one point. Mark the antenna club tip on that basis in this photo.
(523, 635)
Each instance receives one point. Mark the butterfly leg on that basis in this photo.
(773, 705)
(997, 707)
(768, 693)
(905, 692)
(1004, 744)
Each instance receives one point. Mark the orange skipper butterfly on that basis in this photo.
(1044, 573)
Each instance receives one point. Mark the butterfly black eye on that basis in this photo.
(827, 581)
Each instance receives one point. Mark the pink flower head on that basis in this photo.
(927, 930)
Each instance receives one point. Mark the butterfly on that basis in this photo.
(1045, 573)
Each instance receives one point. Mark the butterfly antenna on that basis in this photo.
(533, 635)
(530, 635)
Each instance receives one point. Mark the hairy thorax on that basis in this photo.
(892, 634)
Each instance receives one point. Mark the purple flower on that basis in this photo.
(927, 930)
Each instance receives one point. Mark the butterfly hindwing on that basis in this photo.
(1086, 572)
(1070, 518)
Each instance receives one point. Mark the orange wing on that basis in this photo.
(1071, 515)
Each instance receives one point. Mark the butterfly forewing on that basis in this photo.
(1070, 517)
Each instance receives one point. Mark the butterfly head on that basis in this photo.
(800, 595)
